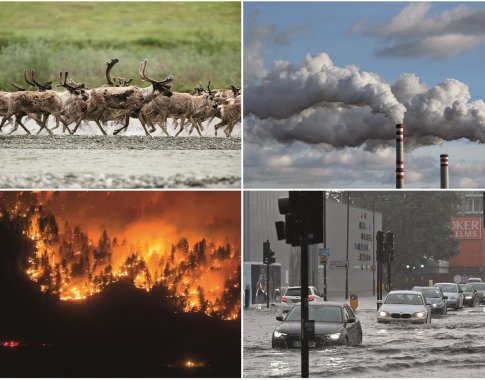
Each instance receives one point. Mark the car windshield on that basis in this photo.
(318, 313)
(447, 288)
(292, 292)
(478, 286)
(431, 293)
(404, 299)
(466, 288)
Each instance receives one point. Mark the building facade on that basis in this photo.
(468, 228)
(350, 235)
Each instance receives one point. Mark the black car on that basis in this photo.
(480, 288)
(335, 324)
(470, 295)
(435, 297)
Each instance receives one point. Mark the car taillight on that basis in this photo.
(311, 298)
(283, 299)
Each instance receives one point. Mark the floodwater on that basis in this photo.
(451, 346)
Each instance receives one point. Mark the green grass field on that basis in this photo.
(193, 41)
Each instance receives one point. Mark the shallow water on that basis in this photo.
(165, 163)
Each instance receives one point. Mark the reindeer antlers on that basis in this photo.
(144, 77)
(40, 87)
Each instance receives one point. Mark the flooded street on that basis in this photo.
(451, 346)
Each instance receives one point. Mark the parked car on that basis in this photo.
(480, 288)
(470, 295)
(292, 295)
(435, 297)
(453, 292)
(474, 279)
(404, 306)
(335, 324)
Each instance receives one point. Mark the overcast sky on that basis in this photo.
(325, 84)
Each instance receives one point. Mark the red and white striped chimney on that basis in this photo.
(399, 156)
(444, 171)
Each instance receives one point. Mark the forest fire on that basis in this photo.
(80, 250)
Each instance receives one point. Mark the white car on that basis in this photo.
(293, 295)
(473, 280)
(404, 306)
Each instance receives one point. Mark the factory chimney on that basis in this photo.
(399, 156)
(444, 171)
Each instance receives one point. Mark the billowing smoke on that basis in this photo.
(289, 89)
(319, 103)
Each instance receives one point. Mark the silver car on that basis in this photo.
(453, 292)
(404, 306)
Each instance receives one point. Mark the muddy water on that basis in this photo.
(451, 346)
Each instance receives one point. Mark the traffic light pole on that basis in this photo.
(267, 285)
(388, 275)
(304, 309)
(325, 244)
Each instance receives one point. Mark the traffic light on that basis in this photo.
(390, 246)
(268, 254)
(380, 245)
(303, 212)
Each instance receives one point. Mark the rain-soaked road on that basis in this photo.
(451, 346)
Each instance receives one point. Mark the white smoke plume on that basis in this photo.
(288, 89)
(319, 103)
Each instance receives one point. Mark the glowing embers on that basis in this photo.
(194, 364)
(10, 344)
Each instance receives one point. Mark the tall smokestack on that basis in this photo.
(399, 156)
(444, 171)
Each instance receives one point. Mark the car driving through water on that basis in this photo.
(335, 324)
(453, 292)
(434, 296)
(404, 306)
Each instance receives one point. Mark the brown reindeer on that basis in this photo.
(129, 99)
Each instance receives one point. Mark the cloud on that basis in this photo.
(414, 33)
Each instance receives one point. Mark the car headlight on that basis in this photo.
(468, 297)
(383, 314)
(278, 334)
(435, 305)
(420, 314)
(335, 336)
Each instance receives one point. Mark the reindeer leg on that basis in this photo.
(182, 123)
(5, 118)
(99, 126)
(143, 122)
(127, 121)
(19, 121)
(194, 124)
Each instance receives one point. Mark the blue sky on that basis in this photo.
(360, 33)
(326, 26)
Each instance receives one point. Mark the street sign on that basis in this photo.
(323, 254)
(322, 261)
(337, 264)
(457, 279)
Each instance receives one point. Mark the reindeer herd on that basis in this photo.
(119, 101)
